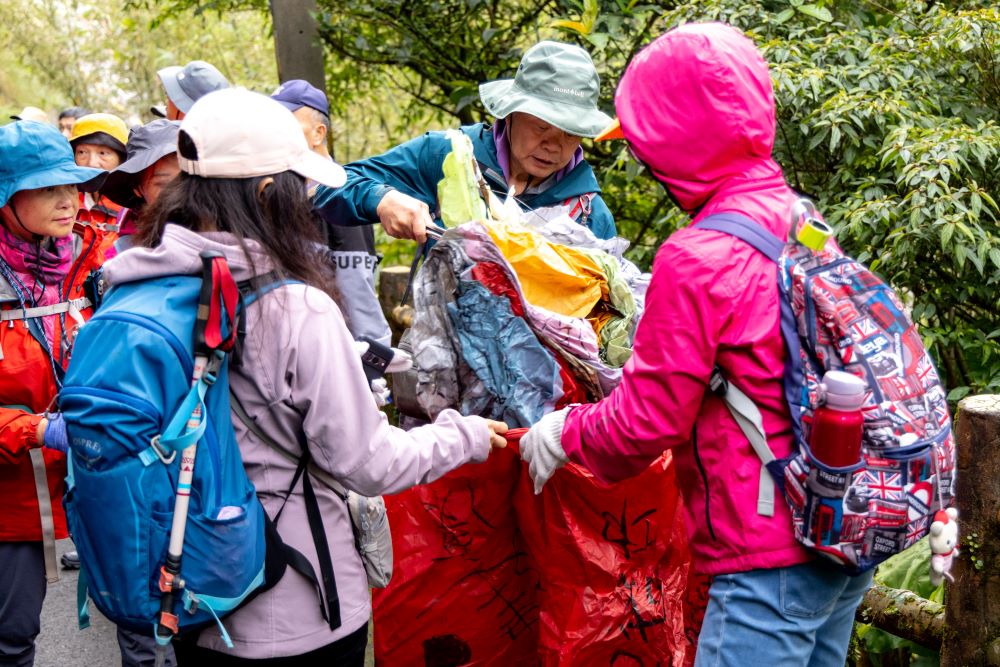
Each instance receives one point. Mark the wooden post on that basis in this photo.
(296, 41)
(391, 285)
(972, 603)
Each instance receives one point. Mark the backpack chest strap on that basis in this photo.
(73, 307)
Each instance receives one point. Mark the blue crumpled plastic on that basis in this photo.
(521, 377)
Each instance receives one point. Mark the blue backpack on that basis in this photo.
(837, 315)
(128, 400)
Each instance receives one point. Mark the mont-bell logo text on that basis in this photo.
(569, 91)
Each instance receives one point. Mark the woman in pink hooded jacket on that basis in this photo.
(697, 108)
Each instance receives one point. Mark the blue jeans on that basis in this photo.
(784, 617)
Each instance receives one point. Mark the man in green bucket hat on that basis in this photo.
(533, 150)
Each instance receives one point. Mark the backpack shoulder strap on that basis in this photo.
(743, 409)
(747, 231)
(748, 417)
(256, 287)
(322, 476)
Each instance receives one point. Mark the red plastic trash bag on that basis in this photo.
(614, 567)
(487, 573)
(463, 587)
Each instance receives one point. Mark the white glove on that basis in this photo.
(380, 390)
(541, 448)
(401, 361)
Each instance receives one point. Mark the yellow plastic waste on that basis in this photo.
(552, 276)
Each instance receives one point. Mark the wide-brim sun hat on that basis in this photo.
(36, 155)
(236, 133)
(146, 145)
(555, 82)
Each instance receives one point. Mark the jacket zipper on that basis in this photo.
(138, 404)
(704, 479)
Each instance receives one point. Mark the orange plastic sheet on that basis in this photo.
(552, 276)
(488, 573)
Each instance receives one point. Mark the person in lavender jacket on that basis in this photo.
(242, 192)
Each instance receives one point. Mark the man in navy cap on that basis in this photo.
(352, 248)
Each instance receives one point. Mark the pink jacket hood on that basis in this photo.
(697, 108)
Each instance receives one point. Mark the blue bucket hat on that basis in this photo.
(35, 155)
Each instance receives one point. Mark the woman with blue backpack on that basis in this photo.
(296, 377)
(697, 108)
(39, 183)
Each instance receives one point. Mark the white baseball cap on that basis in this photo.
(240, 134)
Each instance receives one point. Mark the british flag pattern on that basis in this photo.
(847, 319)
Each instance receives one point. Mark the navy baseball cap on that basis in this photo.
(297, 93)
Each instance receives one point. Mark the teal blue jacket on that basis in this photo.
(415, 167)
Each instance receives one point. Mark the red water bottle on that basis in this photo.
(837, 426)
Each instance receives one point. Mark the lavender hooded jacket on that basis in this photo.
(697, 108)
(301, 373)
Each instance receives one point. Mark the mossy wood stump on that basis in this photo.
(972, 602)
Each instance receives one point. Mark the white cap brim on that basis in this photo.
(321, 169)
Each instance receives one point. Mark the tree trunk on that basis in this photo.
(296, 43)
(904, 614)
(973, 600)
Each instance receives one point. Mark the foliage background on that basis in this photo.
(104, 54)
(887, 117)
(887, 110)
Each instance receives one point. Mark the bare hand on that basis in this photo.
(497, 430)
(404, 217)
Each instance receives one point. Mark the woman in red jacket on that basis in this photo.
(39, 181)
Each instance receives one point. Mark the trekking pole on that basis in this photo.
(171, 584)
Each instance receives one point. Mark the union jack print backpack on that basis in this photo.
(837, 315)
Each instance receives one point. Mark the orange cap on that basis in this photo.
(613, 131)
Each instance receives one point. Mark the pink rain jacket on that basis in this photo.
(697, 108)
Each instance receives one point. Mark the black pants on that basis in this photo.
(22, 591)
(348, 651)
(140, 650)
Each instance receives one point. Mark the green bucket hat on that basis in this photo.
(555, 82)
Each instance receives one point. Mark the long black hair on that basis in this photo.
(277, 214)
